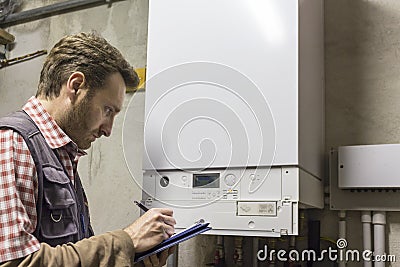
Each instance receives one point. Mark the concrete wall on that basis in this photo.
(362, 48)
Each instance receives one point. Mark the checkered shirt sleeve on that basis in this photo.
(18, 192)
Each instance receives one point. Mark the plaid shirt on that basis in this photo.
(18, 181)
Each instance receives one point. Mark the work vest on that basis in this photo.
(61, 206)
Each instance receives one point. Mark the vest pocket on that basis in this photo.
(59, 209)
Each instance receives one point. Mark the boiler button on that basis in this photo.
(230, 180)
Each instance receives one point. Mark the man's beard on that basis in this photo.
(75, 123)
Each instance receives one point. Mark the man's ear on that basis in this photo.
(75, 85)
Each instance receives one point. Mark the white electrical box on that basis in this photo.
(365, 177)
(234, 113)
(369, 166)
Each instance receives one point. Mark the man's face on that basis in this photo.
(93, 116)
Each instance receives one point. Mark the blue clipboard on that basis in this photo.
(175, 239)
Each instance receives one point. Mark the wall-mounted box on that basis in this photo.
(365, 177)
(369, 166)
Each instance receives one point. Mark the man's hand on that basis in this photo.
(151, 229)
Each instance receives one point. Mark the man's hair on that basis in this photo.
(88, 53)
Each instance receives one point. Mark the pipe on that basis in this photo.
(49, 10)
(9, 62)
(379, 222)
(255, 251)
(292, 246)
(238, 253)
(219, 257)
(272, 243)
(314, 237)
(342, 234)
(366, 220)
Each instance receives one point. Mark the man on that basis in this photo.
(44, 219)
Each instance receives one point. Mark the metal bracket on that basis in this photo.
(6, 37)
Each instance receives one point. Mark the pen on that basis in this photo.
(141, 206)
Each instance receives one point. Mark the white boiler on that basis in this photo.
(234, 113)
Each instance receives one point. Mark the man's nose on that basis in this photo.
(107, 127)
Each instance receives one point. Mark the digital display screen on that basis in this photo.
(206, 180)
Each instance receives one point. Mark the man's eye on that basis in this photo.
(108, 111)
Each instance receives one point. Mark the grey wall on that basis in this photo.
(362, 49)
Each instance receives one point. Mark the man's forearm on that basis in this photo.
(110, 249)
